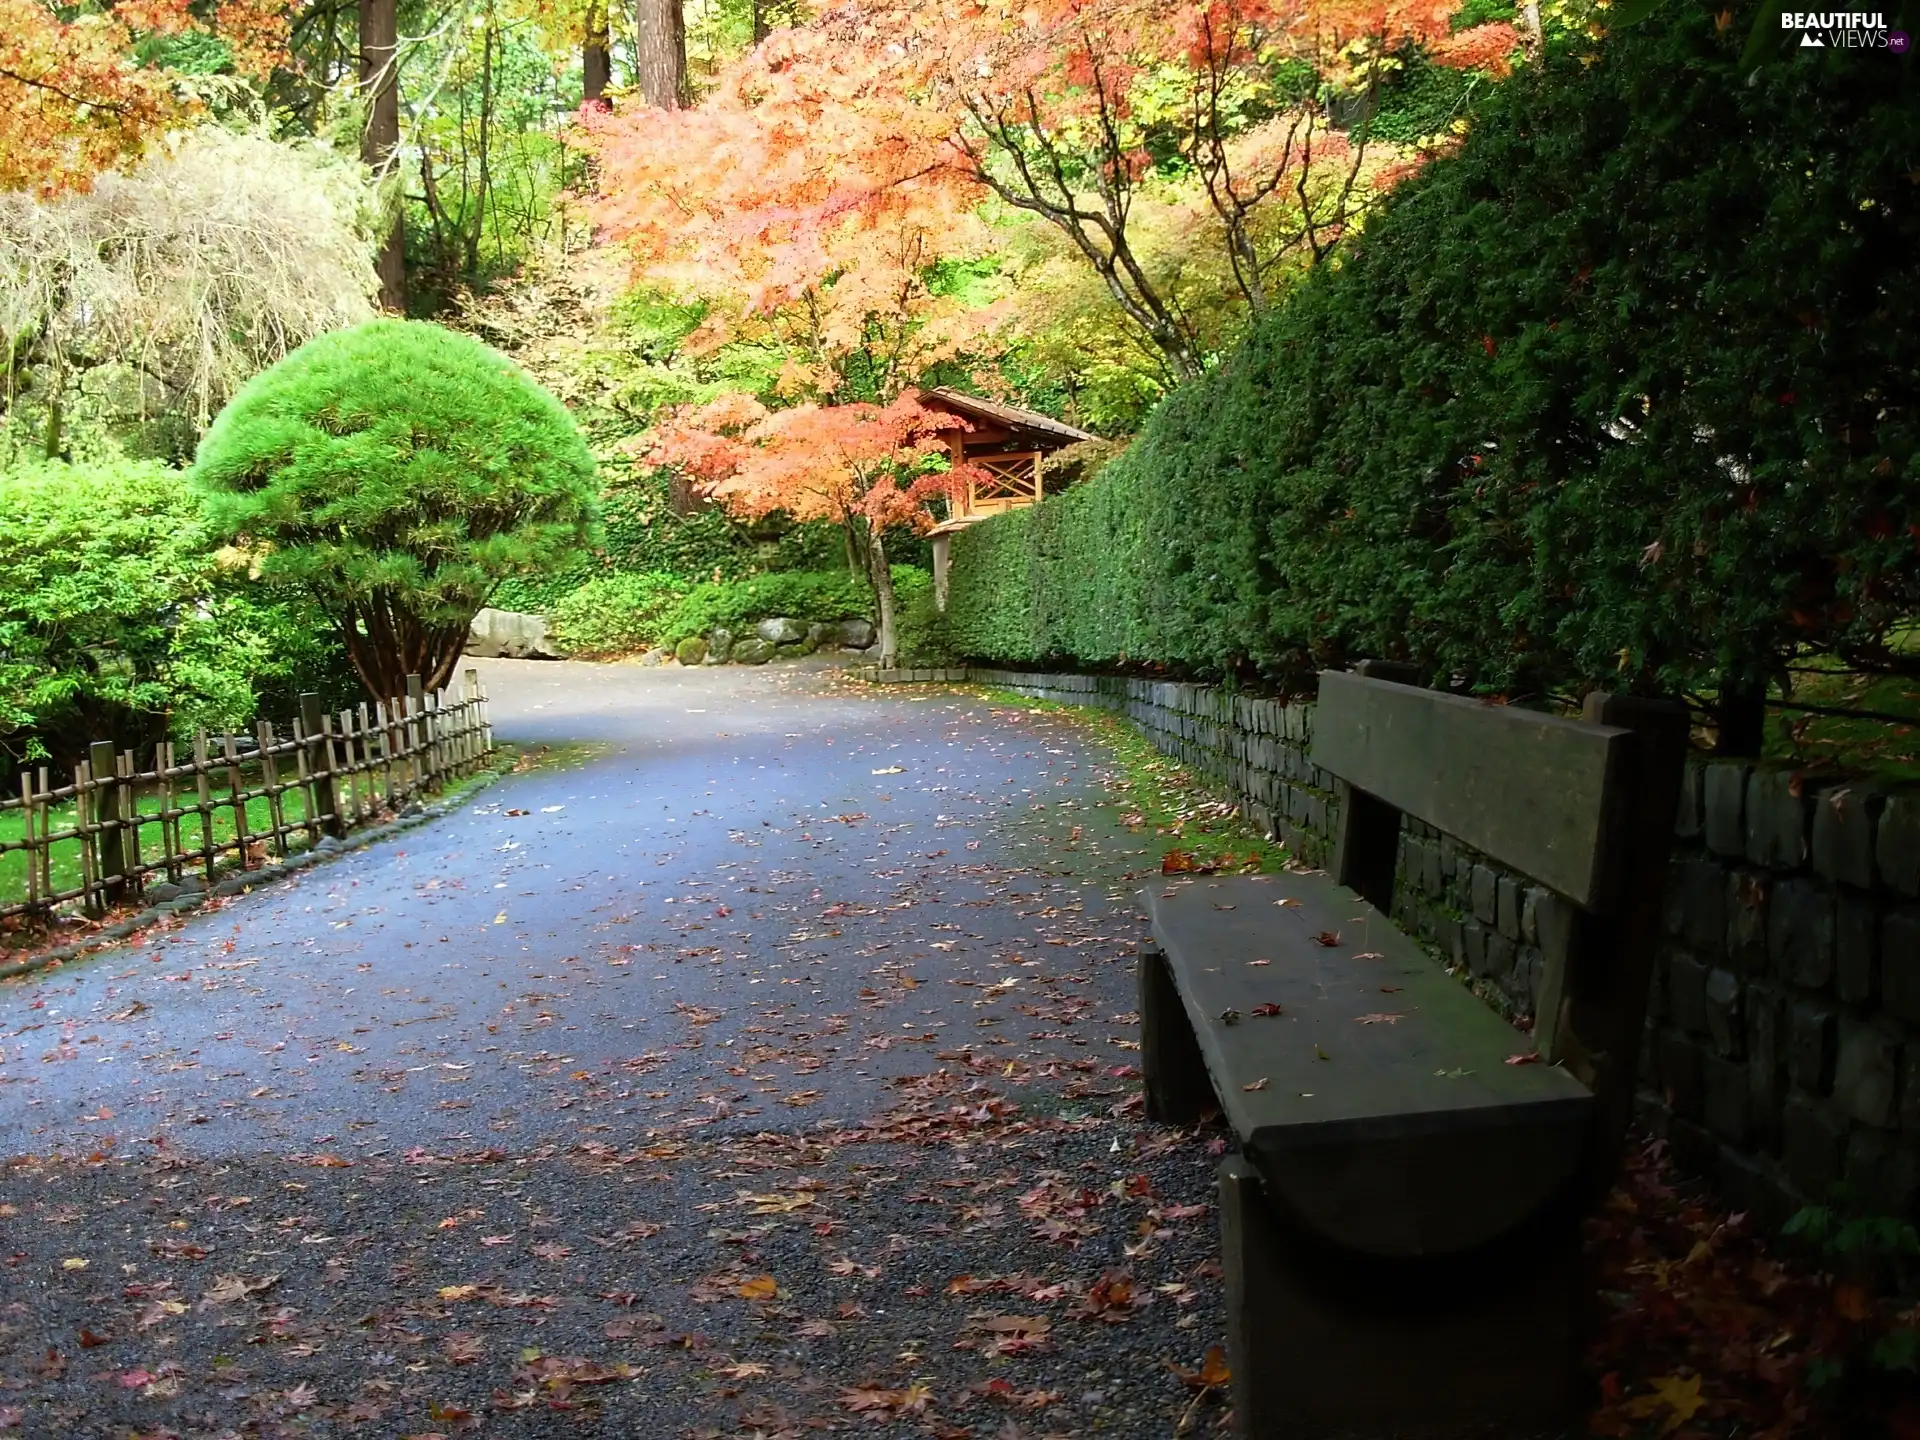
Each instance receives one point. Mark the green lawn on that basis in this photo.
(1883, 747)
(66, 854)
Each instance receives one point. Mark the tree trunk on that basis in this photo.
(660, 53)
(880, 576)
(596, 58)
(380, 81)
(761, 27)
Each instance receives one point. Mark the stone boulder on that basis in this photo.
(855, 634)
(691, 651)
(819, 634)
(512, 635)
(659, 655)
(781, 631)
(752, 651)
(719, 645)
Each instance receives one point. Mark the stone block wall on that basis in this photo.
(1782, 1053)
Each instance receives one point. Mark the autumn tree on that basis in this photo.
(805, 203)
(84, 88)
(866, 467)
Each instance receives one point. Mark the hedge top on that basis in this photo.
(1621, 391)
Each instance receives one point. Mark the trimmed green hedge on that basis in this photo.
(1623, 390)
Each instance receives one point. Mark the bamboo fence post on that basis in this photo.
(323, 804)
(109, 858)
(171, 845)
(270, 781)
(416, 705)
(236, 796)
(32, 854)
(350, 767)
(203, 806)
(46, 831)
(85, 802)
(127, 803)
(436, 746)
(367, 738)
(480, 712)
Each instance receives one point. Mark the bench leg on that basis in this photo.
(1173, 1073)
(1327, 1345)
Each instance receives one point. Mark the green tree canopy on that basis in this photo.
(120, 621)
(397, 472)
(1620, 392)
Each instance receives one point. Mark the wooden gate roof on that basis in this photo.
(1026, 429)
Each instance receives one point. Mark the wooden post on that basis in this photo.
(109, 855)
(127, 803)
(416, 764)
(170, 842)
(1595, 1023)
(237, 797)
(323, 802)
(270, 782)
(27, 831)
(1366, 837)
(86, 805)
(354, 765)
(480, 713)
(1173, 1071)
(203, 802)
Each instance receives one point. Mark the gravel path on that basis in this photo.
(770, 1071)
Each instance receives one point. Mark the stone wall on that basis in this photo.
(1783, 1036)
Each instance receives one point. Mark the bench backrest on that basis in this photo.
(1543, 795)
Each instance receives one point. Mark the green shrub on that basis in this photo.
(119, 620)
(1619, 392)
(798, 595)
(396, 473)
(923, 640)
(615, 614)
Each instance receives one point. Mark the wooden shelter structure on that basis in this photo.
(1003, 449)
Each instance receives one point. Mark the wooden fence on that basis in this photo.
(232, 801)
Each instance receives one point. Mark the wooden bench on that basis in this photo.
(1400, 1227)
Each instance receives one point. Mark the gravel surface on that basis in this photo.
(770, 1071)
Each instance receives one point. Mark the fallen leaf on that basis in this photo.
(1678, 1395)
(1525, 1057)
(1259, 1084)
(1267, 1009)
(758, 1287)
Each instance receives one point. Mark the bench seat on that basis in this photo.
(1378, 1105)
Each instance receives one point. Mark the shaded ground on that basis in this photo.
(771, 1069)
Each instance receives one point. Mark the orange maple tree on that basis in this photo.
(835, 162)
(807, 200)
(75, 99)
(866, 467)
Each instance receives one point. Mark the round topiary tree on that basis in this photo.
(397, 472)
